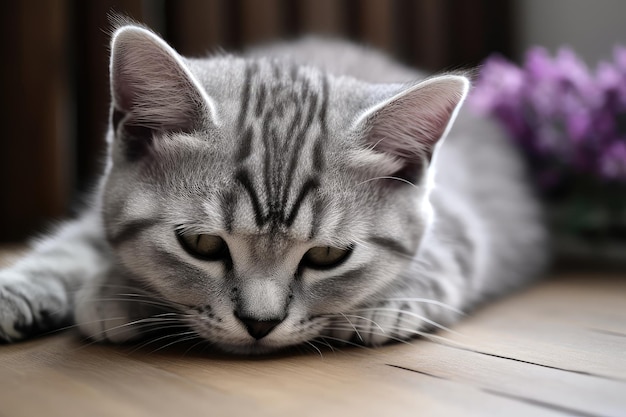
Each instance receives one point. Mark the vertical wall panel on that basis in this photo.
(376, 23)
(91, 80)
(261, 20)
(197, 27)
(430, 30)
(34, 172)
(322, 16)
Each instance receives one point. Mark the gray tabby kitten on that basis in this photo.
(303, 193)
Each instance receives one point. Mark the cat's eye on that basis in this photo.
(325, 257)
(208, 247)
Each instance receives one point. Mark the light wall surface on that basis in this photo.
(590, 27)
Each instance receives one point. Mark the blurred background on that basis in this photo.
(55, 96)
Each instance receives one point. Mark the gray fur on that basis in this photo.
(288, 148)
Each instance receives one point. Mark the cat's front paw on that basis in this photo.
(387, 321)
(30, 306)
(106, 314)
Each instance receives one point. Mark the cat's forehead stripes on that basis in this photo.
(281, 129)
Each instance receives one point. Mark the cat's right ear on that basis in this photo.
(152, 90)
(403, 131)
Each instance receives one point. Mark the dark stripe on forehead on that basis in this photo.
(312, 102)
(310, 185)
(391, 245)
(245, 145)
(269, 179)
(260, 101)
(319, 207)
(228, 205)
(245, 94)
(288, 104)
(318, 154)
(323, 112)
(243, 177)
(318, 147)
(129, 230)
(296, 150)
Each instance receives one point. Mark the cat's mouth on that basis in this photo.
(237, 341)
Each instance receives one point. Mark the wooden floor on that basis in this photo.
(556, 349)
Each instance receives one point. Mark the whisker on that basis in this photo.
(410, 313)
(167, 302)
(365, 318)
(362, 243)
(427, 301)
(86, 340)
(355, 330)
(127, 300)
(316, 348)
(325, 344)
(72, 326)
(430, 336)
(167, 336)
(390, 178)
(201, 341)
(184, 339)
(130, 291)
(140, 324)
(433, 337)
(347, 342)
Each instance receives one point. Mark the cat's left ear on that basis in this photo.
(152, 88)
(408, 126)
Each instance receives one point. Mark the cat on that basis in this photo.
(300, 193)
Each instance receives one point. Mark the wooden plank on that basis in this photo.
(555, 349)
(553, 388)
(68, 378)
(573, 323)
(358, 381)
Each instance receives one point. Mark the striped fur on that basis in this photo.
(290, 147)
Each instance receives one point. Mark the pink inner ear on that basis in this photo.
(410, 124)
(149, 83)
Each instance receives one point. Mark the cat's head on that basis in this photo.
(264, 198)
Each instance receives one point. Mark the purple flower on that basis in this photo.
(559, 112)
(613, 161)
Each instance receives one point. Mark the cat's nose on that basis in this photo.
(258, 328)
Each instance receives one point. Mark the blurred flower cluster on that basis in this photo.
(569, 120)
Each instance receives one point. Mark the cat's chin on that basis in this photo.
(276, 342)
(255, 348)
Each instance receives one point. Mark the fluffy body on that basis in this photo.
(293, 146)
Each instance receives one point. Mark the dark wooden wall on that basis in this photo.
(54, 100)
